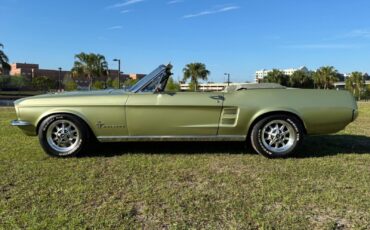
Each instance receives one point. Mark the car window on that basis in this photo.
(147, 78)
(151, 86)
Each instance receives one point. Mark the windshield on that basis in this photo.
(147, 79)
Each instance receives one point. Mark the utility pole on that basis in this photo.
(119, 71)
(59, 77)
(228, 78)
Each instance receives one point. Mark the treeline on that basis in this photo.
(41, 83)
(93, 69)
(322, 78)
(44, 83)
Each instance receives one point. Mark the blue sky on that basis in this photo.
(236, 36)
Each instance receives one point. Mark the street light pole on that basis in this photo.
(101, 72)
(228, 78)
(60, 74)
(119, 71)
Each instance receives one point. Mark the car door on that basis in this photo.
(174, 114)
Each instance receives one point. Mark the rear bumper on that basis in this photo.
(27, 127)
(354, 114)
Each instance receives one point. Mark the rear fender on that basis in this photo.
(272, 110)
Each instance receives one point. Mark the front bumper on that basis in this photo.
(27, 127)
(20, 123)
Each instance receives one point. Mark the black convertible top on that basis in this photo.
(249, 86)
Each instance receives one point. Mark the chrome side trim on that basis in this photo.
(20, 123)
(171, 138)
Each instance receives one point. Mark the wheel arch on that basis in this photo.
(70, 113)
(262, 115)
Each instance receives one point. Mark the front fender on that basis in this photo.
(61, 111)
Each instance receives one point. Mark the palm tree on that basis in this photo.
(301, 79)
(194, 72)
(325, 77)
(90, 66)
(356, 82)
(276, 76)
(3, 60)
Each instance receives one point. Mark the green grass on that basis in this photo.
(187, 185)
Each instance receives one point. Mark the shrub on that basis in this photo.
(172, 85)
(109, 82)
(4, 82)
(70, 86)
(43, 83)
(69, 83)
(98, 85)
(18, 82)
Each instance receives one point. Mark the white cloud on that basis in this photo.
(213, 11)
(322, 46)
(125, 11)
(361, 33)
(118, 27)
(174, 2)
(125, 3)
(357, 33)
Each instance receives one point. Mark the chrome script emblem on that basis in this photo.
(101, 125)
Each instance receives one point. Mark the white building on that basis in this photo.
(342, 84)
(260, 74)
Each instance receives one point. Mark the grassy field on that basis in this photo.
(187, 185)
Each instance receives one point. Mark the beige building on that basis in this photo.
(136, 76)
(33, 70)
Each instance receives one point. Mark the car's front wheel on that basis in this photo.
(277, 136)
(63, 135)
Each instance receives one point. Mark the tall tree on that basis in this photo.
(195, 72)
(69, 83)
(89, 65)
(325, 77)
(366, 77)
(172, 85)
(356, 84)
(4, 65)
(301, 79)
(276, 76)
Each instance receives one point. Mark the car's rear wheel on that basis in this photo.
(63, 135)
(277, 136)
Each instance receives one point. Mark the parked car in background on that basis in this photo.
(272, 118)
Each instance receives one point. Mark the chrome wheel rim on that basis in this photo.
(63, 136)
(278, 136)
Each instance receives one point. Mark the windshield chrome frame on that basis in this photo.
(140, 85)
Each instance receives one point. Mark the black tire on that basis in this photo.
(77, 135)
(277, 142)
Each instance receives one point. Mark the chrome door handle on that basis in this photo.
(217, 97)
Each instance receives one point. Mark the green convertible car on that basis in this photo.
(272, 118)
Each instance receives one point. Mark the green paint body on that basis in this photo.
(116, 113)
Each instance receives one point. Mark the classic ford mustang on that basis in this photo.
(272, 118)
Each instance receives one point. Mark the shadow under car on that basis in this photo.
(313, 146)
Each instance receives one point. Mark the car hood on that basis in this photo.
(69, 96)
(82, 93)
